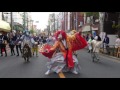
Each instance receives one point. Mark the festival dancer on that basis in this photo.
(61, 54)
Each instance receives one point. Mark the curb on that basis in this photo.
(110, 56)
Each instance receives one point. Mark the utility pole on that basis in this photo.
(91, 23)
(2, 16)
(101, 18)
(76, 21)
(71, 20)
(32, 24)
(57, 22)
(65, 21)
(24, 20)
(11, 22)
(48, 29)
(54, 21)
(27, 22)
(68, 20)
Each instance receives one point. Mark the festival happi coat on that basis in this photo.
(74, 42)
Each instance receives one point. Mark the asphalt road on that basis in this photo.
(15, 67)
(105, 68)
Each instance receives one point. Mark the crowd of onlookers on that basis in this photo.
(104, 44)
(15, 41)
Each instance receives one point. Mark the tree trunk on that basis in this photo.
(101, 18)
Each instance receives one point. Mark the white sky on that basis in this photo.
(42, 17)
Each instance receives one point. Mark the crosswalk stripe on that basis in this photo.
(61, 75)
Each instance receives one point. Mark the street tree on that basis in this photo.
(32, 31)
(116, 28)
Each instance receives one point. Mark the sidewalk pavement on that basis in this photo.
(108, 56)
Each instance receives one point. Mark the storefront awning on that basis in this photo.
(4, 26)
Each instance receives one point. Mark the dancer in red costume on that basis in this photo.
(61, 53)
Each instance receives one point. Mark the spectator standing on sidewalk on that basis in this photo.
(18, 42)
(11, 40)
(106, 43)
(3, 43)
(117, 43)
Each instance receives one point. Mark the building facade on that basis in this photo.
(76, 20)
(16, 17)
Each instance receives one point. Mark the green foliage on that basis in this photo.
(96, 14)
(32, 31)
(116, 26)
(16, 27)
(113, 26)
